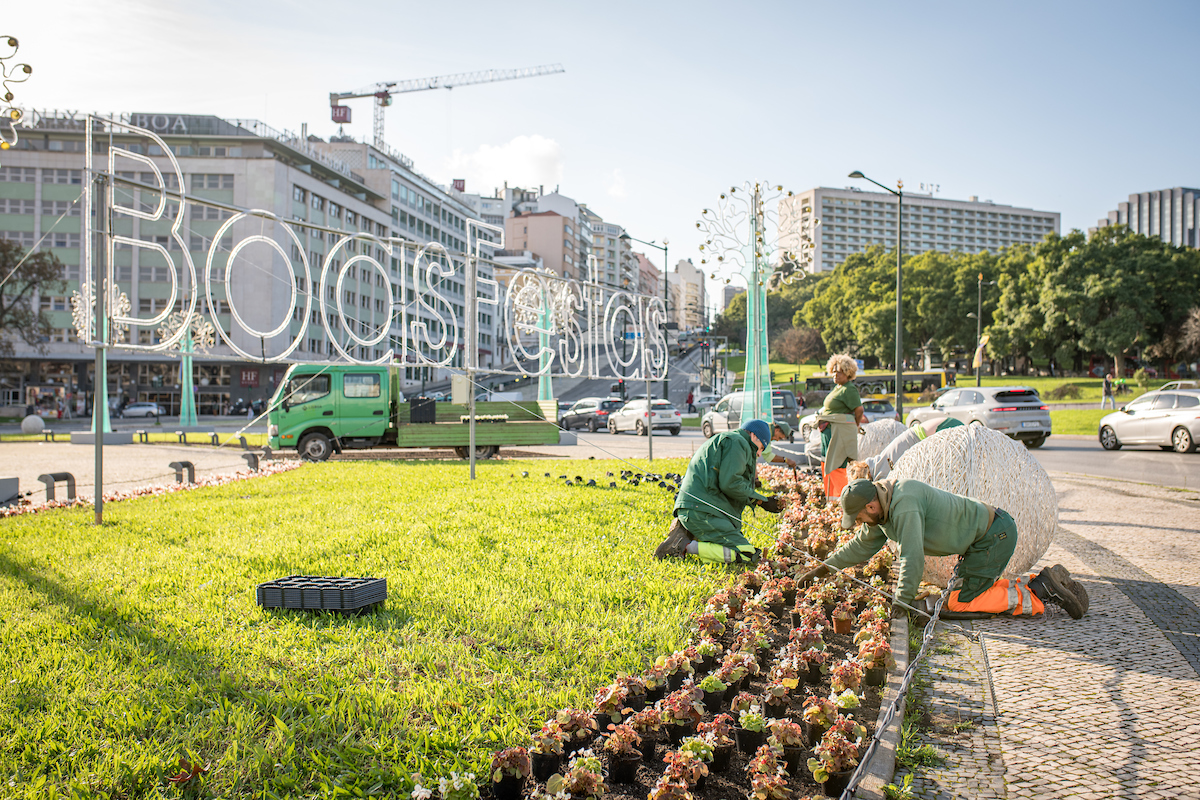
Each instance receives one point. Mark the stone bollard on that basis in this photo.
(179, 467)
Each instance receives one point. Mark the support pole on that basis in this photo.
(899, 311)
(472, 352)
(100, 423)
(649, 404)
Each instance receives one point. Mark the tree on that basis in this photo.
(25, 278)
(1190, 333)
(797, 345)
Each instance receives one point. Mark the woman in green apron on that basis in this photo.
(840, 420)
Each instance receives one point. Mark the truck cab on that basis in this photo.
(320, 408)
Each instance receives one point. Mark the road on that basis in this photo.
(684, 375)
(1083, 455)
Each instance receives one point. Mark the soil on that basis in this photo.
(734, 783)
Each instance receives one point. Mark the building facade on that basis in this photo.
(691, 300)
(325, 190)
(1172, 215)
(853, 220)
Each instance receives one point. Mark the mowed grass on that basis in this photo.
(1077, 421)
(128, 646)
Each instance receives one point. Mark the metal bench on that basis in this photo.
(50, 479)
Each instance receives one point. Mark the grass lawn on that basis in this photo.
(129, 646)
(227, 439)
(1078, 421)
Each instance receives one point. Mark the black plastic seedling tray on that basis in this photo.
(317, 593)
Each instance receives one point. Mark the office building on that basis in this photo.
(853, 220)
(1172, 215)
(689, 297)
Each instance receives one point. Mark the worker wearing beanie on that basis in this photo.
(924, 520)
(840, 420)
(780, 432)
(717, 487)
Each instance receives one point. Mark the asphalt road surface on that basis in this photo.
(1083, 455)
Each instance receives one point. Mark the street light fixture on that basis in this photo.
(979, 329)
(899, 192)
(666, 291)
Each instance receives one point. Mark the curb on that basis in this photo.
(879, 771)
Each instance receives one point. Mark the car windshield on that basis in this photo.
(663, 405)
(609, 405)
(877, 407)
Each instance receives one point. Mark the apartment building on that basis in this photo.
(690, 298)
(650, 279)
(1172, 215)
(853, 220)
(340, 185)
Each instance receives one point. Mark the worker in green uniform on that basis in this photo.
(840, 420)
(717, 487)
(780, 432)
(926, 521)
(880, 466)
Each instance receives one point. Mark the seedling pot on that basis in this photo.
(837, 783)
(543, 765)
(623, 769)
(748, 741)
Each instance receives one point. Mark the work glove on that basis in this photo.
(898, 610)
(814, 574)
(773, 504)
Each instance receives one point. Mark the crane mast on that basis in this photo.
(383, 91)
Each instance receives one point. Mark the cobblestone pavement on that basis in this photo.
(1103, 707)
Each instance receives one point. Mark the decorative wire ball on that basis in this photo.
(877, 436)
(986, 465)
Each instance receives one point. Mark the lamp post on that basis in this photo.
(899, 192)
(666, 292)
(979, 329)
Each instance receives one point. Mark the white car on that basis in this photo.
(633, 416)
(143, 410)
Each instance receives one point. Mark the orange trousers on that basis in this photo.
(835, 481)
(1005, 597)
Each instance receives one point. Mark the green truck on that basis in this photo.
(322, 409)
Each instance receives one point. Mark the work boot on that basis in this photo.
(675, 545)
(1064, 577)
(1049, 588)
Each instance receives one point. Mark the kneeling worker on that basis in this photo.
(718, 485)
(925, 521)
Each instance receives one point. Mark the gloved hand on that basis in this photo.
(791, 464)
(772, 504)
(898, 610)
(812, 575)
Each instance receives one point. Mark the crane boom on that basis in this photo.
(383, 91)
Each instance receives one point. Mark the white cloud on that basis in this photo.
(525, 161)
(616, 184)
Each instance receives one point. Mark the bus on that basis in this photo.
(883, 386)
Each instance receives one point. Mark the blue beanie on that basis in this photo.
(759, 429)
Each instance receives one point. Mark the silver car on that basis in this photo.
(1169, 419)
(1015, 411)
(726, 415)
(633, 415)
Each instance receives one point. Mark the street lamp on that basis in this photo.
(899, 192)
(979, 329)
(666, 291)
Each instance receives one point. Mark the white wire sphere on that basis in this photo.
(32, 425)
(983, 464)
(876, 436)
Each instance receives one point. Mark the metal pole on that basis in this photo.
(649, 408)
(899, 311)
(667, 315)
(101, 245)
(979, 331)
(472, 352)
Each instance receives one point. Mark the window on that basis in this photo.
(335, 211)
(1164, 401)
(202, 180)
(361, 385)
(298, 194)
(318, 202)
(14, 206)
(307, 388)
(69, 176)
(18, 174)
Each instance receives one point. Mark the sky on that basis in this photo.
(1060, 106)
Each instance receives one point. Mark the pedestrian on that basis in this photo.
(926, 521)
(1108, 392)
(691, 409)
(716, 488)
(880, 466)
(840, 420)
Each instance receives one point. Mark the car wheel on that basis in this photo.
(1108, 439)
(805, 430)
(592, 424)
(1033, 444)
(675, 431)
(640, 428)
(562, 423)
(612, 427)
(707, 430)
(1181, 438)
(315, 447)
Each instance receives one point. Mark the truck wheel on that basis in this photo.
(482, 451)
(315, 447)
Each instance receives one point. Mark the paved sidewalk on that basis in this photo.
(1107, 706)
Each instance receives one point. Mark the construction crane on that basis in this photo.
(382, 92)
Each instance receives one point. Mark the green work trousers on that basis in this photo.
(987, 557)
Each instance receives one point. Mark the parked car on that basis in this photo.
(704, 402)
(726, 415)
(240, 407)
(590, 412)
(879, 409)
(143, 410)
(633, 416)
(1169, 419)
(1015, 411)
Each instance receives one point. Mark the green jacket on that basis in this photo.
(923, 521)
(720, 476)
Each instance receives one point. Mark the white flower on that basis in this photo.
(421, 793)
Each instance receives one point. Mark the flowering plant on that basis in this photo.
(769, 786)
(584, 778)
(806, 637)
(623, 741)
(654, 677)
(819, 711)
(577, 723)
(610, 700)
(513, 762)
(765, 761)
(752, 719)
(835, 753)
(648, 720)
(775, 693)
(684, 766)
(683, 707)
(876, 653)
(634, 686)
(711, 683)
(720, 729)
(709, 624)
(549, 740)
(846, 674)
(872, 628)
(770, 596)
(741, 664)
(708, 647)
(670, 789)
(751, 580)
(697, 746)
(786, 733)
(848, 728)
(843, 611)
(743, 701)
(812, 616)
(813, 656)
(846, 700)
(458, 787)
(676, 662)
(823, 593)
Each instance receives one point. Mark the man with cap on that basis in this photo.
(718, 485)
(780, 432)
(926, 521)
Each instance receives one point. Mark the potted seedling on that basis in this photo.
(775, 698)
(623, 747)
(765, 761)
(769, 786)
(818, 715)
(876, 656)
(635, 692)
(709, 624)
(458, 787)
(670, 789)
(848, 703)
(676, 667)
(609, 702)
(813, 661)
(843, 618)
(510, 768)
(789, 737)
(833, 762)
(700, 748)
(579, 726)
(685, 767)
(547, 750)
(648, 724)
(719, 734)
(682, 712)
(787, 586)
(655, 679)
(826, 596)
(743, 701)
(584, 779)
(808, 615)
(708, 649)
(846, 674)
(714, 692)
(751, 724)
(771, 598)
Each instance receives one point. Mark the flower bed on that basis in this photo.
(766, 701)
